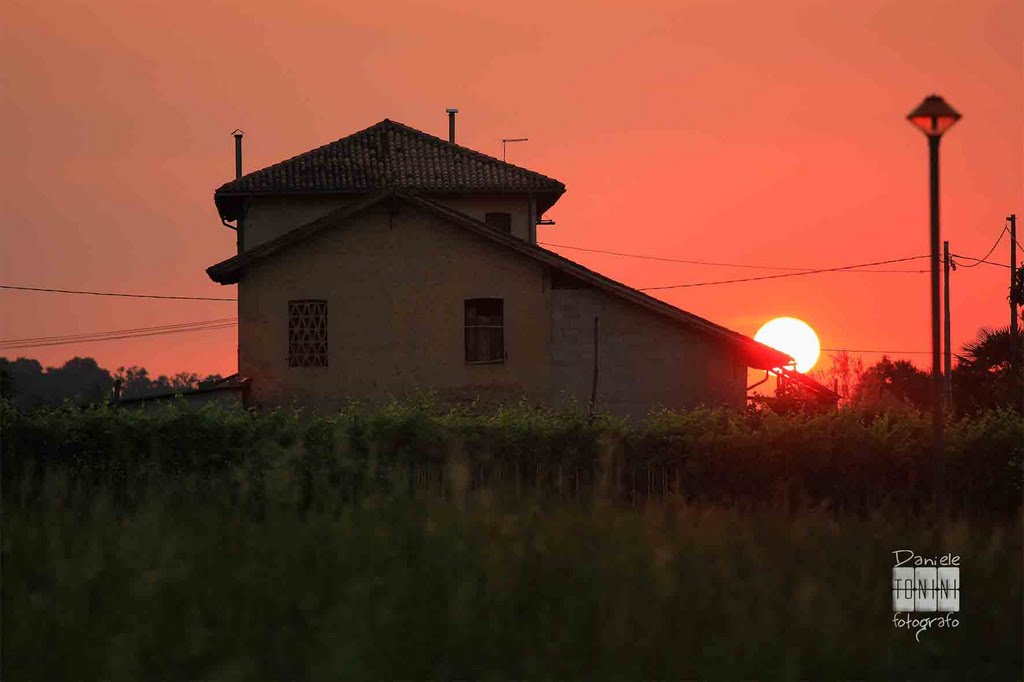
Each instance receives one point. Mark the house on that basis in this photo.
(392, 260)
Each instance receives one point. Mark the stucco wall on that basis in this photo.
(395, 287)
(518, 207)
(644, 360)
(270, 217)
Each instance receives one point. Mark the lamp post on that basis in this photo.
(934, 117)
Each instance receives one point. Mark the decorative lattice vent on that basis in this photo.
(307, 333)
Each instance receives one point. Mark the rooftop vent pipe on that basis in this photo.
(237, 227)
(451, 124)
(238, 153)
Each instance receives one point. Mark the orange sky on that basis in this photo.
(750, 132)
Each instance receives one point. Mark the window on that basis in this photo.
(485, 330)
(502, 221)
(307, 333)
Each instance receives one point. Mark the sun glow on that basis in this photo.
(793, 337)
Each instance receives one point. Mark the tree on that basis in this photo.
(184, 380)
(898, 382)
(134, 380)
(989, 373)
(1017, 287)
(6, 381)
(80, 380)
(843, 375)
(27, 385)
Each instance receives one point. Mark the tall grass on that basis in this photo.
(228, 545)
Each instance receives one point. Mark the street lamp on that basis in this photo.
(934, 117)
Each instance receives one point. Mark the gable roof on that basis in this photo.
(755, 354)
(388, 154)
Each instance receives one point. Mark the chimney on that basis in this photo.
(238, 153)
(451, 124)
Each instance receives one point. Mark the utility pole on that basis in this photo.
(593, 386)
(1013, 271)
(948, 365)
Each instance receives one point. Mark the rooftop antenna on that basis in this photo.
(506, 140)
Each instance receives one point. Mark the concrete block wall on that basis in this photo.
(644, 360)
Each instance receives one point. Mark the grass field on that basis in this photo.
(278, 561)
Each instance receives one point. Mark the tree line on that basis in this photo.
(988, 374)
(26, 384)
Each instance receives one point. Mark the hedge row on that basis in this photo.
(852, 458)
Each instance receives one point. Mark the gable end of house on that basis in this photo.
(564, 272)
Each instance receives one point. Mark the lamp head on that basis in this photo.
(933, 116)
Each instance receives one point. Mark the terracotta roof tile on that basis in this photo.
(391, 154)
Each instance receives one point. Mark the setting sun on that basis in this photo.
(793, 337)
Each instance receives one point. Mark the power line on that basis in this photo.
(118, 331)
(984, 259)
(978, 261)
(117, 294)
(779, 276)
(882, 352)
(15, 344)
(669, 260)
(863, 350)
(115, 338)
(227, 323)
(792, 272)
(698, 262)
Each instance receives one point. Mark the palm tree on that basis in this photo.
(990, 372)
